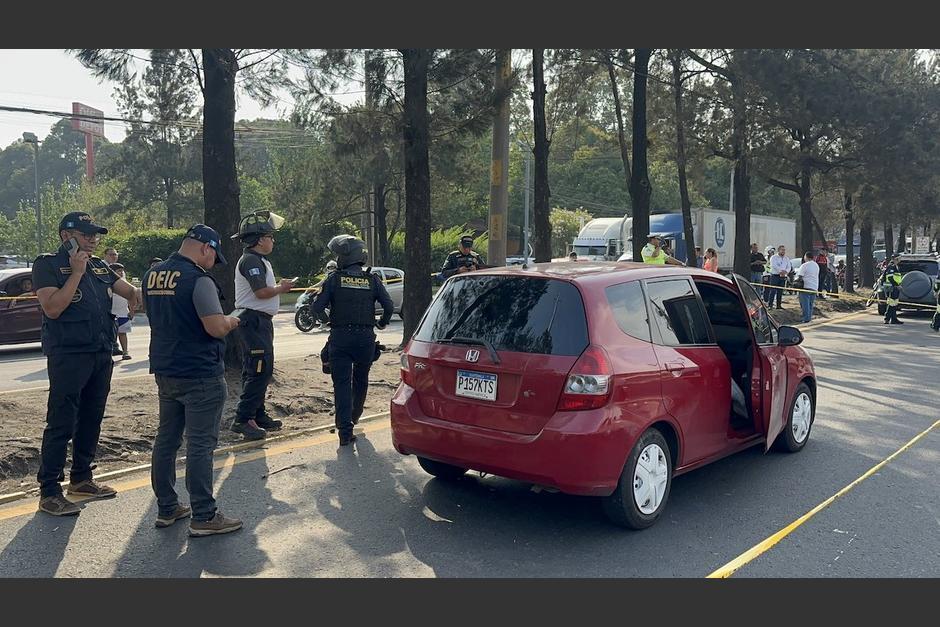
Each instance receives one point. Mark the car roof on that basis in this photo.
(6, 273)
(596, 273)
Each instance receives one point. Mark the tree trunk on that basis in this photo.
(381, 223)
(902, 239)
(541, 209)
(866, 275)
(640, 231)
(170, 189)
(219, 176)
(806, 212)
(849, 245)
(742, 180)
(416, 134)
(889, 239)
(640, 189)
(676, 58)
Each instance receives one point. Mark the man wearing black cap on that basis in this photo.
(74, 289)
(463, 260)
(258, 295)
(187, 328)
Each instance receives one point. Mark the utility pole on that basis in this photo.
(30, 138)
(525, 228)
(499, 167)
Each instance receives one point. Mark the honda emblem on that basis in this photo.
(473, 355)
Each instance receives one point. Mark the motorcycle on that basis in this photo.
(304, 319)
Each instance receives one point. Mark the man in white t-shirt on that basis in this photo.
(809, 272)
(122, 313)
(779, 269)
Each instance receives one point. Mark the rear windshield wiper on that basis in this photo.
(494, 356)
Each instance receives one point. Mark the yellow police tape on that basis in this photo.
(838, 295)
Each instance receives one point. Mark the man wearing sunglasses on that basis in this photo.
(74, 289)
(258, 296)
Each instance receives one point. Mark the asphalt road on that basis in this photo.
(344, 512)
(24, 366)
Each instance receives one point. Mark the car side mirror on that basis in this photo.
(789, 336)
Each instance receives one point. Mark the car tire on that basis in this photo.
(447, 472)
(644, 485)
(800, 419)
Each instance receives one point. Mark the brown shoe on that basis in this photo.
(181, 511)
(89, 488)
(58, 505)
(214, 526)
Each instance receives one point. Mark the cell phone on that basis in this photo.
(71, 245)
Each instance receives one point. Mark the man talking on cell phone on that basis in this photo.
(259, 296)
(74, 289)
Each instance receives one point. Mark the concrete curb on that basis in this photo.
(231, 448)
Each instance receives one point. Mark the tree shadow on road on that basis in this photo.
(39, 546)
(171, 552)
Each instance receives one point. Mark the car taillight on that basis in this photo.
(588, 383)
(405, 369)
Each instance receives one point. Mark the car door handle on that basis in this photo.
(675, 367)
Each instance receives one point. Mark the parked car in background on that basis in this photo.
(920, 281)
(20, 317)
(393, 278)
(603, 379)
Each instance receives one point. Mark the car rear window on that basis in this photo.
(629, 307)
(516, 314)
(926, 266)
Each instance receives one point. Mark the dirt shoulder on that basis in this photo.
(300, 395)
(824, 309)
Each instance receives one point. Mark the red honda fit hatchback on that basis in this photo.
(603, 379)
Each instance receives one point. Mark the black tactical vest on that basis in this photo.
(353, 298)
(179, 344)
(86, 325)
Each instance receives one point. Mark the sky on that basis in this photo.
(52, 80)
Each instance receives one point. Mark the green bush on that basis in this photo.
(291, 256)
(137, 249)
(443, 242)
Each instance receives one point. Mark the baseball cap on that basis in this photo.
(207, 235)
(466, 241)
(80, 221)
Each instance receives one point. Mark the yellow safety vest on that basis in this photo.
(648, 257)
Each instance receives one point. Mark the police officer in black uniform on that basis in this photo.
(463, 260)
(187, 349)
(74, 289)
(351, 293)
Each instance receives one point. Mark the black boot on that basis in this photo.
(268, 423)
(250, 430)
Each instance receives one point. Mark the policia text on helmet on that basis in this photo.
(257, 299)
(351, 293)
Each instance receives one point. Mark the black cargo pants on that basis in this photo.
(256, 335)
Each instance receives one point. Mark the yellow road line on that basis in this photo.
(221, 462)
(762, 547)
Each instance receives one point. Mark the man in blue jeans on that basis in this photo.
(779, 269)
(187, 328)
(809, 272)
